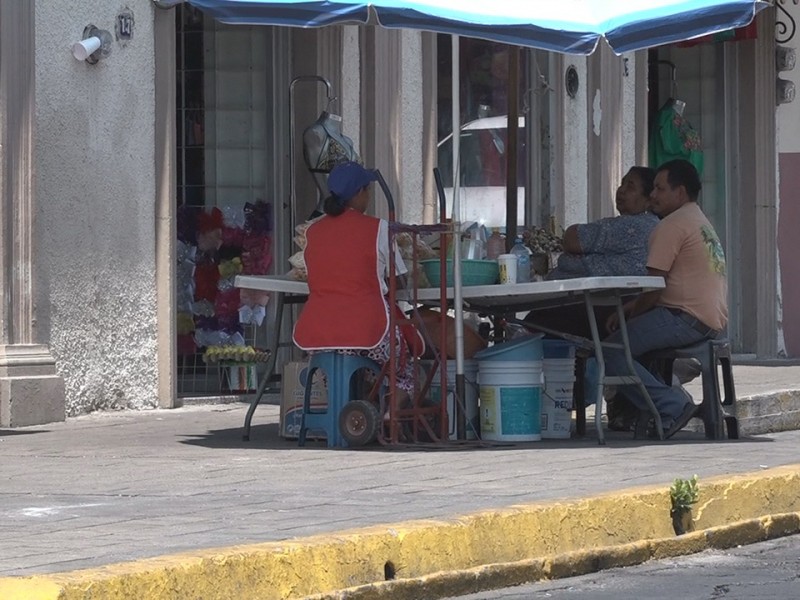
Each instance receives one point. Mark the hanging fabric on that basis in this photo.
(674, 137)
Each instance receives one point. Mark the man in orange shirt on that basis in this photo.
(685, 250)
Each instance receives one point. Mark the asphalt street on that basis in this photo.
(767, 570)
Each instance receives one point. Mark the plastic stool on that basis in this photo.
(339, 369)
(710, 353)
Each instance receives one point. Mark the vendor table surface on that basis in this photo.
(523, 294)
(591, 291)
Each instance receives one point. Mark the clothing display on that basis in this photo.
(673, 137)
(214, 246)
(324, 147)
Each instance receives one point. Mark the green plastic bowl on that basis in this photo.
(473, 272)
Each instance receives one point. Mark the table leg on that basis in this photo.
(579, 396)
(273, 357)
(631, 379)
(623, 328)
(601, 368)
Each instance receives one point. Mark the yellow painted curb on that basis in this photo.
(516, 544)
(570, 564)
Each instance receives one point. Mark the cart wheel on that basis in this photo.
(358, 422)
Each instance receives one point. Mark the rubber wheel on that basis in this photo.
(358, 422)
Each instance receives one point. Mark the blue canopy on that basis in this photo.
(569, 26)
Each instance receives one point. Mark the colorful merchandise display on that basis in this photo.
(216, 321)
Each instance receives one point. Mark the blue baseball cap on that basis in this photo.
(348, 178)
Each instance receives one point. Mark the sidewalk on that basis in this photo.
(115, 487)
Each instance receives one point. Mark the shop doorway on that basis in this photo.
(224, 192)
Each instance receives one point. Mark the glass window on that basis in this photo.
(483, 106)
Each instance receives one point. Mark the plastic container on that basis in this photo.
(475, 247)
(558, 349)
(510, 400)
(507, 267)
(470, 393)
(528, 348)
(559, 381)
(473, 272)
(523, 261)
(495, 245)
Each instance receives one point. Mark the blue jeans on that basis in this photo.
(656, 329)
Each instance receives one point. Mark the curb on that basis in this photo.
(571, 564)
(422, 559)
(768, 412)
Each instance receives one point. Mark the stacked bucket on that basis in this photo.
(510, 376)
(525, 388)
(559, 380)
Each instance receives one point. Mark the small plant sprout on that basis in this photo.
(683, 494)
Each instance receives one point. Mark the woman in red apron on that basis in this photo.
(347, 259)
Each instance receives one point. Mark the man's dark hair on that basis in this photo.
(646, 175)
(682, 172)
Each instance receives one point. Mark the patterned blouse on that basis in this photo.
(612, 246)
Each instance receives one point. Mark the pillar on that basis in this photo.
(31, 392)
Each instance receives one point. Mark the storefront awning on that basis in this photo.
(570, 26)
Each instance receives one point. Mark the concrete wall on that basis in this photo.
(788, 130)
(95, 183)
(569, 133)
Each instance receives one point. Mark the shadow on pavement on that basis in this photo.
(10, 432)
(265, 437)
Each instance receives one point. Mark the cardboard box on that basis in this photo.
(292, 392)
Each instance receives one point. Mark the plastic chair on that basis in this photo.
(339, 369)
(710, 353)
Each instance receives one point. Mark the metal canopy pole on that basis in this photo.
(461, 427)
(512, 131)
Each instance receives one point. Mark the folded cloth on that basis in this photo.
(252, 315)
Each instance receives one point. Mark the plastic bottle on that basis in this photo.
(523, 261)
(495, 245)
(475, 249)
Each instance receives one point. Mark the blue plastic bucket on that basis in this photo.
(510, 400)
(528, 348)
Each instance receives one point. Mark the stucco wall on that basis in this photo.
(95, 197)
(576, 156)
(789, 114)
(409, 129)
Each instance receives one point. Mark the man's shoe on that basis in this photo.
(690, 409)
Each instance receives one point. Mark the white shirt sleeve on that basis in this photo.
(383, 256)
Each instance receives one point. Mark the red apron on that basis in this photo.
(345, 307)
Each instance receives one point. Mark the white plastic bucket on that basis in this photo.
(559, 379)
(510, 396)
(470, 393)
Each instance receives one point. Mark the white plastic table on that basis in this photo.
(497, 299)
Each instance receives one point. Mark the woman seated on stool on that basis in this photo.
(347, 259)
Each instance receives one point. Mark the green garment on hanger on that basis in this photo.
(673, 137)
